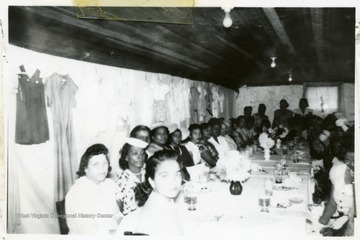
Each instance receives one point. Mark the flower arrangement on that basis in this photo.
(266, 142)
(233, 167)
(278, 132)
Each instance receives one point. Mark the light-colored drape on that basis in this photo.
(109, 103)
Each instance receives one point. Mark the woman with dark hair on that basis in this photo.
(282, 115)
(92, 194)
(131, 161)
(175, 139)
(216, 139)
(303, 113)
(195, 136)
(248, 133)
(156, 195)
(141, 132)
(225, 131)
(159, 137)
(303, 109)
(260, 117)
(208, 151)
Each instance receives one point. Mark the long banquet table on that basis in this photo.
(219, 213)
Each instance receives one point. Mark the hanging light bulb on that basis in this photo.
(227, 20)
(273, 64)
(290, 77)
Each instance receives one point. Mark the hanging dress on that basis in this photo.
(60, 93)
(31, 119)
(194, 100)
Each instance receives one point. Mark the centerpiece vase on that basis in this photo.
(267, 154)
(235, 187)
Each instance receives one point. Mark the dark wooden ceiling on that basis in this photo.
(315, 44)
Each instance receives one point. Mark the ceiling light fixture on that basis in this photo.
(227, 6)
(227, 19)
(290, 77)
(273, 64)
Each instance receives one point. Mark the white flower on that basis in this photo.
(285, 133)
(265, 141)
(233, 167)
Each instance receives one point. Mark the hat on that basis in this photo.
(184, 133)
(227, 123)
(170, 126)
(136, 142)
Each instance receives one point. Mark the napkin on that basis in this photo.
(196, 171)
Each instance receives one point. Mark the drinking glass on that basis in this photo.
(268, 186)
(291, 145)
(278, 176)
(284, 150)
(190, 196)
(283, 163)
(264, 202)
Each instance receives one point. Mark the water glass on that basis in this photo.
(190, 196)
(284, 150)
(278, 176)
(264, 202)
(295, 157)
(268, 187)
(283, 163)
(291, 145)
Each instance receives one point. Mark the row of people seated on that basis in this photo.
(94, 193)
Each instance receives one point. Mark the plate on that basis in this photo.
(283, 188)
(283, 205)
(296, 200)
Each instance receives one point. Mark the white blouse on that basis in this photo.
(343, 193)
(195, 152)
(91, 208)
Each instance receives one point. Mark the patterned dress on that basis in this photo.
(126, 184)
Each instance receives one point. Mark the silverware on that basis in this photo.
(218, 218)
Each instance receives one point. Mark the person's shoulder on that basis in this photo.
(79, 186)
(296, 111)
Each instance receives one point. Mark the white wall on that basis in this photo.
(271, 96)
(109, 103)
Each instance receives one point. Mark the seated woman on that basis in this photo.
(141, 132)
(159, 137)
(194, 139)
(208, 151)
(131, 161)
(184, 155)
(91, 202)
(259, 118)
(248, 134)
(341, 202)
(282, 115)
(158, 214)
(225, 131)
(303, 109)
(236, 136)
(216, 139)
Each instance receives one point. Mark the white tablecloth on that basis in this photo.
(221, 214)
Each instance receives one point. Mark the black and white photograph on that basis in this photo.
(220, 121)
